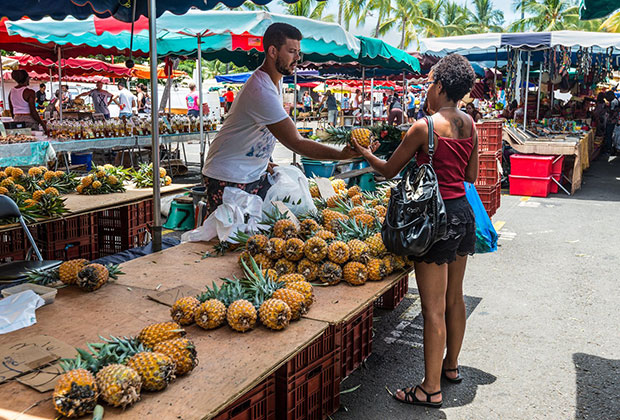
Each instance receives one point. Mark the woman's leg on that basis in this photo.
(432, 282)
(455, 314)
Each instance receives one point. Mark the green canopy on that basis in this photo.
(375, 52)
(595, 9)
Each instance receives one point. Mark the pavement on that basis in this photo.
(542, 339)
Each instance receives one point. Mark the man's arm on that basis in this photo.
(286, 132)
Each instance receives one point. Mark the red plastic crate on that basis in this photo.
(329, 341)
(531, 165)
(71, 228)
(86, 247)
(530, 186)
(490, 136)
(257, 404)
(313, 393)
(489, 168)
(356, 341)
(490, 196)
(119, 240)
(13, 245)
(123, 228)
(392, 298)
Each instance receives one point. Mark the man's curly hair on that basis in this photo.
(456, 75)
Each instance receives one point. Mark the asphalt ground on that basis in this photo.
(542, 339)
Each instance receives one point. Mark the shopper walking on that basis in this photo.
(439, 273)
(410, 105)
(307, 101)
(22, 101)
(192, 101)
(332, 107)
(230, 97)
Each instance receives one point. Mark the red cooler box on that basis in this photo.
(531, 165)
(530, 186)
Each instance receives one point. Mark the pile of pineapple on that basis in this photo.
(79, 272)
(104, 179)
(260, 295)
(118, 369)
(341, 242)
(143, 177)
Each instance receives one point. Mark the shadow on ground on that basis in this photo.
(397, 360)
(598, 387)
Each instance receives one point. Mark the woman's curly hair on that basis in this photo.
(456, 75)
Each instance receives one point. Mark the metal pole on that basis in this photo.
(495, 78)
(527, 89)
(202, 129)
(60, 83)
(402, 100)
(363, 93)
(152, 9)
(51, 85)
(295, 109)
(169, 92)
(372, 108)
(539, 89)
(4, 104)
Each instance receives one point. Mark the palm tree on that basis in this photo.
(248, 6)
(486, 18)
(432, 12)
(455, 19)
(407, 17)
(547, 15)
(612, 24)
(360, 10)
(309, 8)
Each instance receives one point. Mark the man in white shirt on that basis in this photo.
(126, 100)
(241, 152)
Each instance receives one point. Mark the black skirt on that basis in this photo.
(460, 237)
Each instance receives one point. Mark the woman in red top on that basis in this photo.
(439, 273)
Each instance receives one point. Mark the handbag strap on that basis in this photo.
(431, 138)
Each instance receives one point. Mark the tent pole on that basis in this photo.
(539, 88)
(169, 92)
(495, 78)
(152, 10)
(4, 104)
(372, 108)
(202, 129)
(51, 85)
(60, 83)
(402, 100)
(363, 93)
(295, 109)
(527, 89)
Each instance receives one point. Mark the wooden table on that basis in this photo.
(230, 363)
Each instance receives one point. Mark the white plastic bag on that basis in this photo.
(289, 185)
(18, 311)
(239, 211)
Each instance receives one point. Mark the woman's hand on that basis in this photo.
(348, 152)
(366, 151)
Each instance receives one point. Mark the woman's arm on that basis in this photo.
(471, 171)
(11, 106)
(30, 98)
(413, 141)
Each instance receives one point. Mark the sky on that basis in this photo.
(393, 37)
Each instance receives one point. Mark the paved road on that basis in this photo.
(542, 340)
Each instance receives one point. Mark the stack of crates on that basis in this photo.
(488, 184)
(126, 227)
(535, 175)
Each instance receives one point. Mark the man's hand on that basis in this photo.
(270, 167)
(366, 151)
(349, 152)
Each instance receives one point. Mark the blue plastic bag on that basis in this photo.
(486, 236)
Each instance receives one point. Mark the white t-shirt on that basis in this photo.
(125, 97)
(241, 150)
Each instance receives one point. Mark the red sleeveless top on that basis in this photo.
(449, 161)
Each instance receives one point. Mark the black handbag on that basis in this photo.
(416, 215)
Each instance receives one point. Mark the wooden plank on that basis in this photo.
(354, 173)
(228, 368)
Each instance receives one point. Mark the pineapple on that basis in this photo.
(284, 229)
(68, 270)
(307, 227)
(79, 189)
(355, 273)
(308, 269)
(162, 331)
(294, 300)
(37, 195)
(326, 235)
(35, 171)
(315, 249)
(275, 248)
(376, 245)
(330, 273)
(16, 173)
(155, 369)
(389, 264)
(356, 210)
(92, 277)
(112, 180)
(3, 191)
(333, 201)
(365, 219)
(256, 244)
(291, 278)
(241, 315)
(398, 262)
(275, 314)
(338, 252)
(284, 266)
(86, 181)
(294, 249)
(210, 314)
(359, 250)
(75, 393)
(353, 191)
(51, 190)
(305, 289)
(271, 274)
(243, 257)
(339, 185)
(182, 352)
(358, 200)
(119, 385)
(377, 269)
(184, 309)
(8, 170)
(381, 210)
(7, 182)
(331, 220)
(314, 192)
(361, 136)
(96, 185)
(263, 261)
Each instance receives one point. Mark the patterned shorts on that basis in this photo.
(215, 190)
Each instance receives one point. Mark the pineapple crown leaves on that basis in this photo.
(350, 229)
(257, 285)
(83, 360)
(114, 270)
(43, 277)
(219, 249)
(213, 292)
(116, 349)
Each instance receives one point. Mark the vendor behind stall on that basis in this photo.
(241, 152)
(22, 102)
(101, 99)
(41, 97)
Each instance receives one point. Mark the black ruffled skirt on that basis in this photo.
(460, 237)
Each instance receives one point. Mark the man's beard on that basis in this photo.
(282, 69)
